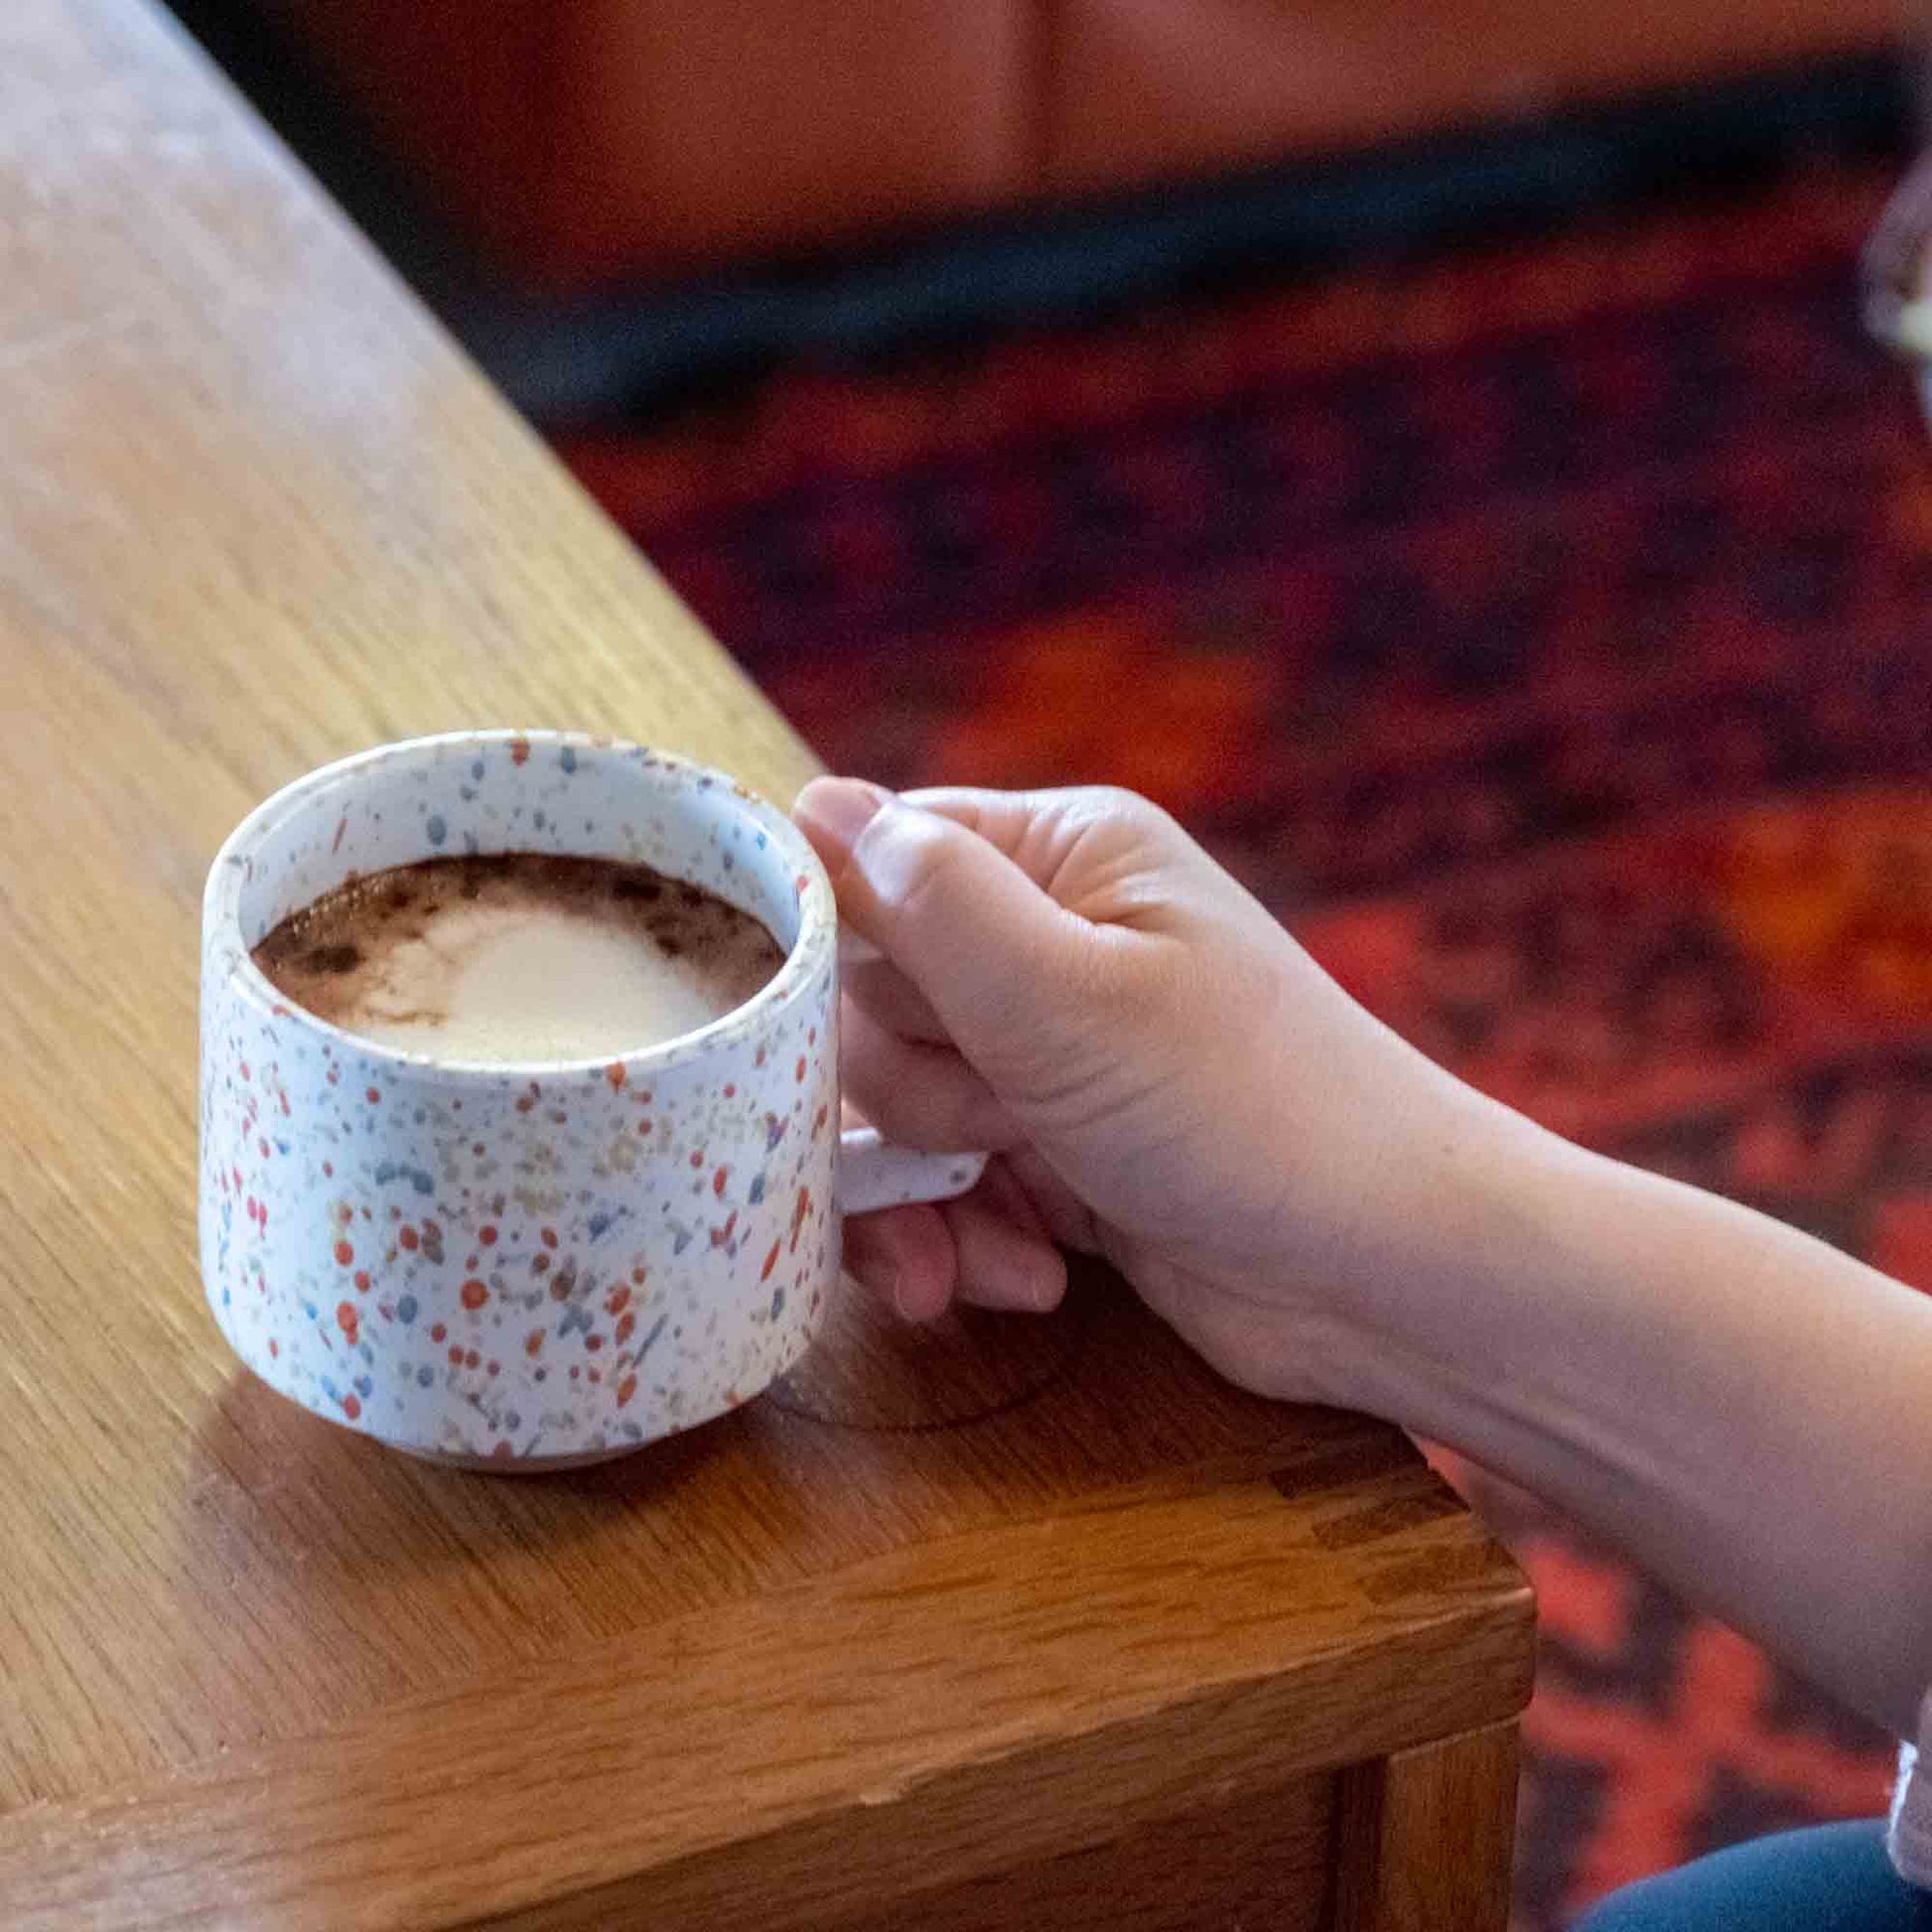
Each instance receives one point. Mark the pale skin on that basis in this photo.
(1170, 1081)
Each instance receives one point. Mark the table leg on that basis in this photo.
(1425, 1836)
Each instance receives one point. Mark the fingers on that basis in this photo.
(870, 980)
(905, 1256)
(992, 953)
(922, 1258)
(918, 1094)
(998, 1265)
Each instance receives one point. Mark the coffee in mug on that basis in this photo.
(519, 956)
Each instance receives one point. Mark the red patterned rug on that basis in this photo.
(1548, 636)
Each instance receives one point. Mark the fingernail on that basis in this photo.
(834, 811)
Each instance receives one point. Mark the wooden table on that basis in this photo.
(1011, 1624)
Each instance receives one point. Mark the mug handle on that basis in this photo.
(873, 1172)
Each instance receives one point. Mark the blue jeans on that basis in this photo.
(1832, 1879)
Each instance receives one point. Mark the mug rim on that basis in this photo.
(817, 909)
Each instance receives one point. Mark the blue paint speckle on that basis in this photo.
(537, 819)
(777, 1302)
(419, 1178)
(657, 1329)
(308, 1308)
(226, 1297)
(406, 1309)
(727, 861)
(762, 841)
(758, 1190)
(437, 828)
(366, 1385)
(598, 1222)
(567, 758)
(476, 769)
(424, 1377)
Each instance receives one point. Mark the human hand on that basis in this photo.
(1165, 1077)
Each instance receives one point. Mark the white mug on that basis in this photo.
(521, 1266)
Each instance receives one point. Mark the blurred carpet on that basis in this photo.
(1548, 636)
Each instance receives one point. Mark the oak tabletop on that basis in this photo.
(257, 512)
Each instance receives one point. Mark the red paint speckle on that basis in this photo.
(811, 1035)
(285, 1104)
(347, 1318)
(575, 1371)
(519, 750)
(487, 1236)
(758, 1059)
(341, 826)
(637, 1275)
(539, 1264)
(643, 1126)
(614, 1073)
(718, 1181)
(351, 1406)
(274, 1349)
(627, 1326)
(472, 1357)
(615, 1301)
(244, 1070)
(456, 1358)
(592, 1342)
(438, 1333)
(548, 1237)
(731, 1092)
(771, 1261)
(329, 1168)
(372, 1095)
(362, 1279)
(594, 1374)
(524, 1103)
(625, 1390)
(344, 1254)
(492, 1368)
(409, 1238)
(697, 1157)
(533, 1343)
(474, 1294)
(798, 1072)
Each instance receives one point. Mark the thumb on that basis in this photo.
(994, 955)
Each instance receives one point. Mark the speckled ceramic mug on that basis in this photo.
(527, 1265)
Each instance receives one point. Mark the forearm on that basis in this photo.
(1744, 1410)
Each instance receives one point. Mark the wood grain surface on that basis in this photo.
(945, 1611)
(1424, 1836)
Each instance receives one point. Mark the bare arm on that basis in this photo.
(1325, 1215)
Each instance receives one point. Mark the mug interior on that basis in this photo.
(488, 793)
